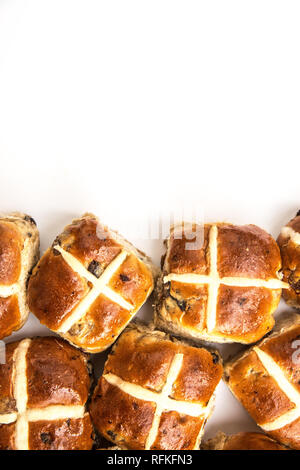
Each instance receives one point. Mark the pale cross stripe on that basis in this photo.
(214, 281)
(6, 291)
(162, 399)
(288, 232)
(288, 389)
(24, 415)
(99, 286)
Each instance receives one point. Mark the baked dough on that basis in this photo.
(89, 284)
(156, 392)
(224, 290)
(289, 244)
(242, 441)
(19, 252)
(44, 387)
(266, 379)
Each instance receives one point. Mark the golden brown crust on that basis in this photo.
(131, 281)
(11, 244)
(143, 357)
(282, 348)
(107, 319)
(7, 436)
(289, 434)
(57, 374)
(247, 251)
(137, 358)
(9, 315)
(19, 250)
(70, 434)
(65, 374)
(179, 260)
(199, 375)
(120, 418)
(250, 382)
(290, 254)
(177, 431)
(88, 242)
(243, 441)
(259, 390)
(7, 401)
(56, 288)
(243, 313)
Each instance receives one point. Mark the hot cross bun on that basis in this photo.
(44, 387)
(155, 392)
(289, 244)
(89, 284)
(19, 252)
(224, 286)
(266, 379)
(243, 441)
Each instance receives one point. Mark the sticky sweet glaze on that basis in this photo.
(252, 441)
(259, 392)
(19, 250)
(11, 244)
(252, 385)
(99, 326)
(282, 349)
(56, 290)
(120, 417)
(179, 260)
(247, 251)
(290, 254)
(186, 304)
(198, 376)
(243, 441)
(289, 434)
(57, 373)
(70, 434)
(88, 241)
(65, 374)
(143, 358)
(177, 431)
(7, 436)
(138, 359)
(132, 281)
(243, 314)
(7, 401)
(9, 315)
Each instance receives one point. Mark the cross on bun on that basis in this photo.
(223, 288)
(242, 441)
(19, 252)
(44, 387)
(289, 244)
(89, 284)
(156, 392)
(266, 379)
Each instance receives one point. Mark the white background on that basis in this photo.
(133, 109)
